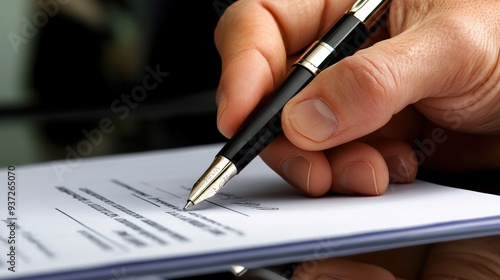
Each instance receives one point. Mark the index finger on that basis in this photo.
(254, 40)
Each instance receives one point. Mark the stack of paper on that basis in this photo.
(121, 216)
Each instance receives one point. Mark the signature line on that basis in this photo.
(228, 208)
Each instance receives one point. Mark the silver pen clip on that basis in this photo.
(369, 11)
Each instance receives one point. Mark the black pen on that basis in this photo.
(344, 38)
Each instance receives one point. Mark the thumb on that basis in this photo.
(362, 92)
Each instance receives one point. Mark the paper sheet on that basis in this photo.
(120, 216)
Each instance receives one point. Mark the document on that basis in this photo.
(120, 217)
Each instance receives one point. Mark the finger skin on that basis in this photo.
(477, 258)
(339, 269)
(311, 171)
(358, 168)
(308, 171)
(353, 168)
(405, 262)
(399, 158)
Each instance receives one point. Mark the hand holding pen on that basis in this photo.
(344, 37)
(428, 95)
(432, 83)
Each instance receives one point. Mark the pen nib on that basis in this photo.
(188, 205)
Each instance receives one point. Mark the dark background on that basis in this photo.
(79, 65)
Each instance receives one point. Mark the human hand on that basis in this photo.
(477, 258)
(428, 94)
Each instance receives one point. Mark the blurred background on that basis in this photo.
(96, 77)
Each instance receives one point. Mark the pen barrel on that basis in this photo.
(345, 37)
(264, 124)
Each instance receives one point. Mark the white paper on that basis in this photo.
(120, 216)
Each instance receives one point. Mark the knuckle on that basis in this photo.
(372, 82)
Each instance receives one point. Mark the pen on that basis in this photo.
(343, 38)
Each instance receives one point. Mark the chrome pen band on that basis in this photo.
(317, 54)
(365, 13)
(369, 11)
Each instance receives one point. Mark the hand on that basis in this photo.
(476, 259)
(427, 95)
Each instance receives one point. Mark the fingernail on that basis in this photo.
(297, 169)
(314, 119)
(398, 170)
(358, 175)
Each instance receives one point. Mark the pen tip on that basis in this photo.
(188, 205)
